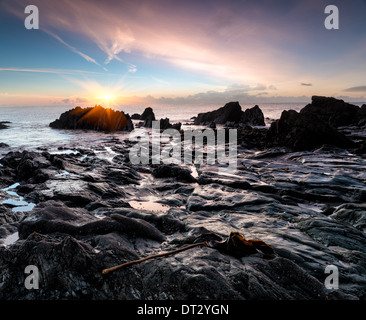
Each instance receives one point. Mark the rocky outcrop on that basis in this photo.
(231, 113)
(253, 116)
(148, 116)
(333, 111)
(96, 118)
(136, 116)
(165, 124)
(4, 124)
(30, 166)
(360, 117)
(304, 131)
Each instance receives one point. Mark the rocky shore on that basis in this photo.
(300, 187)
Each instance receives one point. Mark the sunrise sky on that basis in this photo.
(117, 52)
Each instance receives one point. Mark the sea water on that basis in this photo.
(29, 126)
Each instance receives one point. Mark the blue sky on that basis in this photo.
(169, 51)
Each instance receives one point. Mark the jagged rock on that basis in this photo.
(230, 112)
(148, 116)
(165, 124)
(333, 111)
(360, 117)
(304, 131)
(28, 165)
(253, 116)
(96, 118)
(148, 113)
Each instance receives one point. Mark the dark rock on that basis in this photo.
(53, 218)
(3, 145)
(173, 171)
(334, 233)
(252, 137)
(148, 113)
(304, 131)
(122, 176)
(253, 116)
(3, 124)
(230, 112)
(361, 149)
(148, 116)
(276, 195)
(360, 117)
(96, 118)
(28, 165)
(7, 177)
(333, 111)
(212, 125)
(166, 223)
(136, 116)
(352, 213)
(165, 124)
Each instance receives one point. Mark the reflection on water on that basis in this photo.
(19, 205)
(149, 206)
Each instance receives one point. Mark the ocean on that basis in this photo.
(29, 126)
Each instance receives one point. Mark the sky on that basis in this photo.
(123, 52)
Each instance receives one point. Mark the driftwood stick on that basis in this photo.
(105, 271)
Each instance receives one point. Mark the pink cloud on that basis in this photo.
(216, 42)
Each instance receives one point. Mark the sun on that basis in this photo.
(106, 98)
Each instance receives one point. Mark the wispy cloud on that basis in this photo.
(155, 30)
(73, 49)
(356, 89)
(51, 71)
(132, 68)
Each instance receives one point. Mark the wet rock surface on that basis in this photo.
(94, 210)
